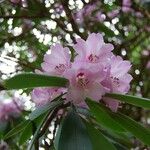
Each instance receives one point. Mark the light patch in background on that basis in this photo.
(137, 71)
(79, 4)
(115, 20)
(17, 31)
(6, 66)
(123, 52)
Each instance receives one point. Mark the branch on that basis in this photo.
(70, 18)
(63, 27)
(21, 62)
(51, 117)
(2, 87)
(23, 17)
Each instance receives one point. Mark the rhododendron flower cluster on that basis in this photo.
(90, 12)
(15, 1)
(126, 5)
(94, 72)
(10, 108)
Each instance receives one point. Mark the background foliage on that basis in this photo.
(29, 28)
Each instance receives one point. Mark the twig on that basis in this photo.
(51, 117)
(22, 63)
(2, 87)
(70, 18)
(62, 26)
(23, 17)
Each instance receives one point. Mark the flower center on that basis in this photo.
(116, 81)
(82, 80)
(93, 58)
(60, 68)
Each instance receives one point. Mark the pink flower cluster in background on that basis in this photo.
(15, 1)
(94, 72)
(89, 12)
(127, 8)
(126, 5)
(10, 108)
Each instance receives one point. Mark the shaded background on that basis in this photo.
(29, 27)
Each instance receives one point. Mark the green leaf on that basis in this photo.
(137, 101)
(98, 139)
(52, 148)
(43, 109)
(37, 7)
(120, 147)
(30, 80)
(73, 135)
(16, 130)
(41, 122)
(129, 125)
(102, 117)
(26, 134)
(119, 137)
(105, 29)
(133, 127)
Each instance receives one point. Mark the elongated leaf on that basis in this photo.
(16, 130)
(119, 137)
(130, 125)
(120, 147)
(37, 131)
(41, 110)
(102, 117)
(137, 101)
(26, 134)
(135, 128)
(30, 80)
(52, 148)
(73, 134)
(98, 140)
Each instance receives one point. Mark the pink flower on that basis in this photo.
(113, 104)
(117, 80)
(42, 96)
(58, 61)
(85, 81)
(10, 109)
(89, 9)
(113, 13)
(78, 16)
(15, 1)
(126, 6)
(89, 12)
(94, 72)
(93, 50)
(148, 65)
(99, 16)
(119, 70)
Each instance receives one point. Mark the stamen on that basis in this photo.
(93, 58)
(115, 80)
(82, 80)
(60, 68)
